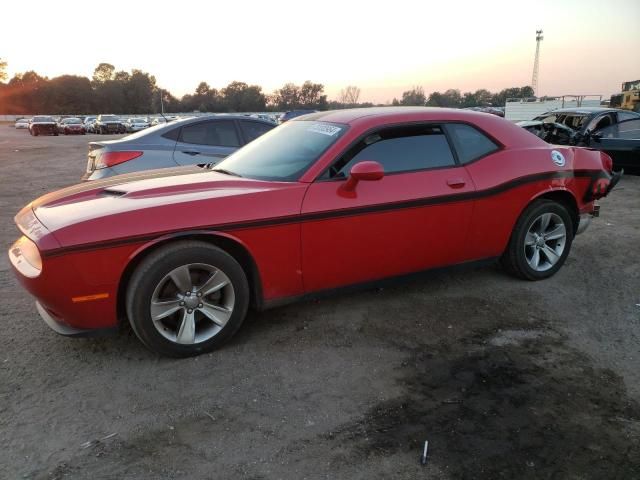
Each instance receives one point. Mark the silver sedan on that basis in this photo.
(190, 141)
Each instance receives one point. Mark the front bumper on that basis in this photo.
(61, 328)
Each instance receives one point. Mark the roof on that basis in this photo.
(351, 115)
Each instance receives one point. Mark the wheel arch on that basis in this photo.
(565, 198)
(231, 245)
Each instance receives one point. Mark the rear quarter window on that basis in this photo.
(172, 134)
(470, 143)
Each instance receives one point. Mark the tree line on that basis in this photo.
(120, 92)
(452, 98)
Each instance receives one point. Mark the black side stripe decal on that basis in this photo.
(346, 212)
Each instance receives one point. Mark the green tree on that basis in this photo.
(311, 96)
(67, 94)
(103, 72)
(138, 92)
(287, 97)
(415, 97)
(240, 97)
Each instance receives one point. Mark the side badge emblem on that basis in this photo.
(557, 158)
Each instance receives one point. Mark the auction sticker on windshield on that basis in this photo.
(324, 129)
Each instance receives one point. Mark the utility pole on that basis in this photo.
(534, 78)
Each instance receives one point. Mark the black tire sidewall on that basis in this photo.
(151, 271)
(516, 249)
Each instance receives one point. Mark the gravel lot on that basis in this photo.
(505, 378)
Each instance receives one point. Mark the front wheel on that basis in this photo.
(540, 241)
(187, 298)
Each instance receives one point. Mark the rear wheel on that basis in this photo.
(187, 298)
(540, 241)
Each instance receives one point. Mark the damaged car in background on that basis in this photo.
(614, 131)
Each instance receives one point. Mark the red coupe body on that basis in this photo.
(307, 235)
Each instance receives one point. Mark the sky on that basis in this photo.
(385, 48)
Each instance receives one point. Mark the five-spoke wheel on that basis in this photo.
(545, 241)
(187, 298)
(540, 241)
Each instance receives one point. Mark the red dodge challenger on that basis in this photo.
(324, 201)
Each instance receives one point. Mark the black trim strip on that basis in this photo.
(346, 212)
(387, 282)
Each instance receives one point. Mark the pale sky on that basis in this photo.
(589, 47)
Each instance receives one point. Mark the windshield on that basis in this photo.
(43, 119)
(109, 118)
(138, 120)
(284, 153)
(72, 121)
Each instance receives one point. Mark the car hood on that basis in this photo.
(159, 201)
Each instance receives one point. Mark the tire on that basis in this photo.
(35, 132)
(152, 283)
(544, 227)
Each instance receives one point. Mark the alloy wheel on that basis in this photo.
(545, 241)
(192, 303)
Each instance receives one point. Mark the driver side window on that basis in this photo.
(600, 122)
(398, 149)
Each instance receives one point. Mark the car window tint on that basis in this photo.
(400, 149)
(253, 130)
(470, 143)
(622, 116)
(601, 121)
(220, 133)
(172, 134)
(629, 130)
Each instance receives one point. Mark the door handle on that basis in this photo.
(190, 152)
(456, 182)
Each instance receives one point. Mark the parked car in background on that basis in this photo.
(499, 111)
(158, 121)
(108, 124)
(614, 131)
(89, 124)
(330, 200)
(191, 141)
(136, 124)
(71, 126)
(162, 120)
(22, 123)
(264, 116)
(43, 125)
(286, 116)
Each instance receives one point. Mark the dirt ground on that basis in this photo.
(504, 378)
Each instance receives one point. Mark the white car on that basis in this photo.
(22, 123)
(136, 124)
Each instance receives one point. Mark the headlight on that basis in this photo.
(25, 257)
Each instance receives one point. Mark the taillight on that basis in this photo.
(109, 159)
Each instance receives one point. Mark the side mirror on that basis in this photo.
(366, 170)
